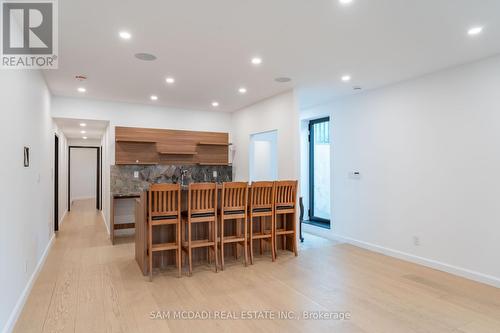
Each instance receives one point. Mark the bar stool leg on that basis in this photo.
(209, 253)
(222, 244)
(262, 222)
(238, 234)
(150, 251)
(179, 250)
(250, 245)
(283, 238)
(245, 245)
(273, 238)
(215, 244)
(295, 236)
(190, 254)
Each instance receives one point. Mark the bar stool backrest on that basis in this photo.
(262, 195)
(286, 193)
(234, 196)
(202, 198)
(164, 200)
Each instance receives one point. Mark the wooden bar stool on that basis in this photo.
(285, 204)
(164, 208)
(234, 207)
(262, 208)
(202, 208)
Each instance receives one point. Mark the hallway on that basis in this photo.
(89, 286)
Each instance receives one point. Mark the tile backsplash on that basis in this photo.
(123, 181)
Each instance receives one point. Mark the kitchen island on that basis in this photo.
(166, 234)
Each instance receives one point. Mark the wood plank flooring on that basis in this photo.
(87, 285)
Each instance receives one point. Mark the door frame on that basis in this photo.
(98, 200)
(320, 221)
(56, 182)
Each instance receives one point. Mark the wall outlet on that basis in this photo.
(136, 174)
(416, 240)
(215, 174)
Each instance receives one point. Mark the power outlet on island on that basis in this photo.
(215, 174)
(136, 174)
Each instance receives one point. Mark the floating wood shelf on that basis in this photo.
(177, 153)
(124, 226)
(206, 143)
(208, 163)
(136, 163)
(135, 140)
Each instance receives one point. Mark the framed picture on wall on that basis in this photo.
(26, 157)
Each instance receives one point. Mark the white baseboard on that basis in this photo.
(317, 231)
(105, 222)
(16, 312)
(81, 198)
(459, 271)
(61, 220)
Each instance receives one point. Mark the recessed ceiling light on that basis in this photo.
(170, 80)
(83, 132)
(346, 78)
(475, 31)
(345, 2)
(215, 104)
(81, 89)
(145, 56)
(256, 61)
(125, 35)
(153, 97)
(242, 90)
(283, 79)
(83, 124)
(84, 138)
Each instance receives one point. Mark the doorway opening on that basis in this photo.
(84, 174)
(319, 172)
(263, 156)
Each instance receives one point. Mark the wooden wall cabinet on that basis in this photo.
(146, 146)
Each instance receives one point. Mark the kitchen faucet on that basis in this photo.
(183, 176)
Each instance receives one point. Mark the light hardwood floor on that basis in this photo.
(87, 285)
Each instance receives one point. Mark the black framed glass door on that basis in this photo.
(319, 172)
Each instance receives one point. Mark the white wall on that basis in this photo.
(26, 199)
(428, 151)
(83, 167)
(106, 170)
(276, 113)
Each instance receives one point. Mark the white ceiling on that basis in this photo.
(71, 128)
(207, 47)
